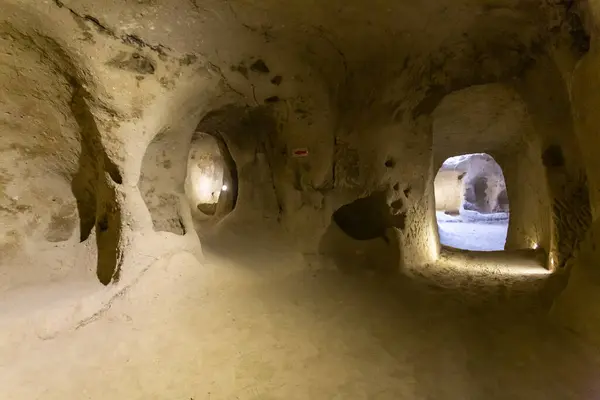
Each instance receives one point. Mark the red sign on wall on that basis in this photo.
(300, 152)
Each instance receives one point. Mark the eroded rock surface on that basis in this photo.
(331, 120)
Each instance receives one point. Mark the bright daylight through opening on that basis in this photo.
(471, 203)
(207, 177)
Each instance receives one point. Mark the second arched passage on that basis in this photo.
(211, 183)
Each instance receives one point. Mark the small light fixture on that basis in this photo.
(534, 245)
(224, 188)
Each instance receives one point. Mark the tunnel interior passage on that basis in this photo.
(471, 203)
(210, 184)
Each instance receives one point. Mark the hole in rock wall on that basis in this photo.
(211, 182)
(364, 234)
(471, 203)
(363, 219)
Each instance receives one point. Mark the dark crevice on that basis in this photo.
(398, 204)
(85, 181)
(96, 22)
(103, 223)
(182, 226)
(272, 100)
(113, 170)
(575, 26)
(96, 200)
(133, 62)
(215, 68)
(553, 157)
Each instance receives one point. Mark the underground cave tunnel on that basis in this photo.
(161, 236)
(471, 202)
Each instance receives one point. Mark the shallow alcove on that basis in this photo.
(471, 203)
(364, 235)
(46, 176)
(211, 180)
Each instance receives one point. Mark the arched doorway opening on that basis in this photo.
(471, 201)
(211, 180)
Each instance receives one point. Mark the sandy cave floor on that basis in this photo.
(258, 321)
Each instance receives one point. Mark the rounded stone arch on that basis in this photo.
(187, 165)
(211, 184)
(244, 138)
(493, 119)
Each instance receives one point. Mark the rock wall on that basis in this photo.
(529, 223)
(545, 93)
(577, 305)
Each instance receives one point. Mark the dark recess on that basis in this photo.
(260, 67)
(277, 80)
(133, 62)
(367, 218)
(272, 99)
(103, 223)
(579, 35)
(553, 157)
